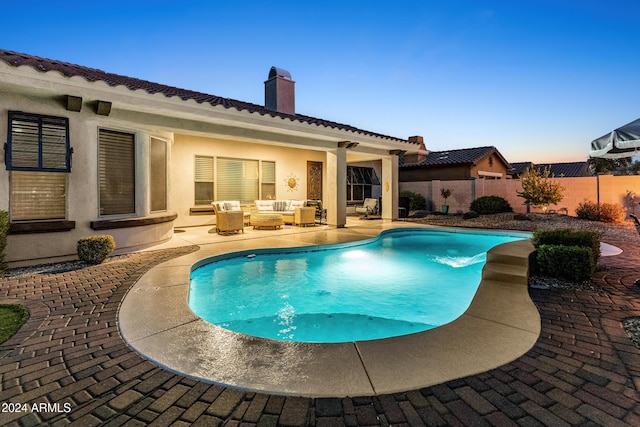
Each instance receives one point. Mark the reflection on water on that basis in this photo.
(460, 261)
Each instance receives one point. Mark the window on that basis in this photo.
(360, 181)
(237, 179)
(204, 180)
(37, 196)
(158, 174)
(38, 143)
(268, 182)
(116, 157)
(38, 155)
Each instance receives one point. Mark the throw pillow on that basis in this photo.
(279, 206)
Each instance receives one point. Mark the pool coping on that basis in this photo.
(501, 324)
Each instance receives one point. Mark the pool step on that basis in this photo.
(509, 264)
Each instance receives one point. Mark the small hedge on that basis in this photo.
(470, 215)
(569, 237)
(487, 205)
(4, 227)
(574, 263)
(566, 253)
(95, 249)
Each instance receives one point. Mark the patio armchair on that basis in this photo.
(304, 216)
(369, 207)
(228, 220)
(321, 213)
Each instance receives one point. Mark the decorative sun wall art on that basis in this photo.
(292, 182)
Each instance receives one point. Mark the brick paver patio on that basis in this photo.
(584, 370)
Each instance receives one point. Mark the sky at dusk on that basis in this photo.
(538, 79)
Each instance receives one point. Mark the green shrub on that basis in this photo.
(605, 212)
(570, 237)
(574, 263)
(588, 210)
(417, 201)
(4, 227)
(487, 205)
(470, 215)
(95, 249)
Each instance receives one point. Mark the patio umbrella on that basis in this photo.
(622, 142)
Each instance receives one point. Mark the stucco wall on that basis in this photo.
(494, 165)
(289, 163)
(82, 184)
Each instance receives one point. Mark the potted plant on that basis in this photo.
(445, 193)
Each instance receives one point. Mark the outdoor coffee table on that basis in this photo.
(266, 220)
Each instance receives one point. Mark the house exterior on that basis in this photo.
(90, 152)
(558, 170)
(480, 162)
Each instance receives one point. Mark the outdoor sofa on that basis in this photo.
(286, 208)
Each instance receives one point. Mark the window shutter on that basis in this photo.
(116, 172)
(37, 196)
(38, 143)
(54, 144)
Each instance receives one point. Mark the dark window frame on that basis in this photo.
(11, 147)
(360, 182)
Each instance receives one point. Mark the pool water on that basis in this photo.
(402, 282)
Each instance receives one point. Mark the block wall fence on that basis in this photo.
(602, 189)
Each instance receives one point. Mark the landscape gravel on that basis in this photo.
(619, 232)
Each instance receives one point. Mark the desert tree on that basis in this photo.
(539, 189)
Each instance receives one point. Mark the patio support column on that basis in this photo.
(336, 200)
(389, 187)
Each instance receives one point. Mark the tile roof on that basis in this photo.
(559, 170)
(455, 157)
(518, 168)
(91, 74)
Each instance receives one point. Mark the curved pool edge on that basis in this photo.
(501, 324)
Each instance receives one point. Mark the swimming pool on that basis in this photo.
(402, 282)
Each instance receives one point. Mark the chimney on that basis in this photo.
(418, 155)
(279, 92)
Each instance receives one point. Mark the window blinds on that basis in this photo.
(116, 154)
(38, 196)
(238, 179)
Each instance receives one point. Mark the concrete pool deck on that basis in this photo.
(501, 325)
